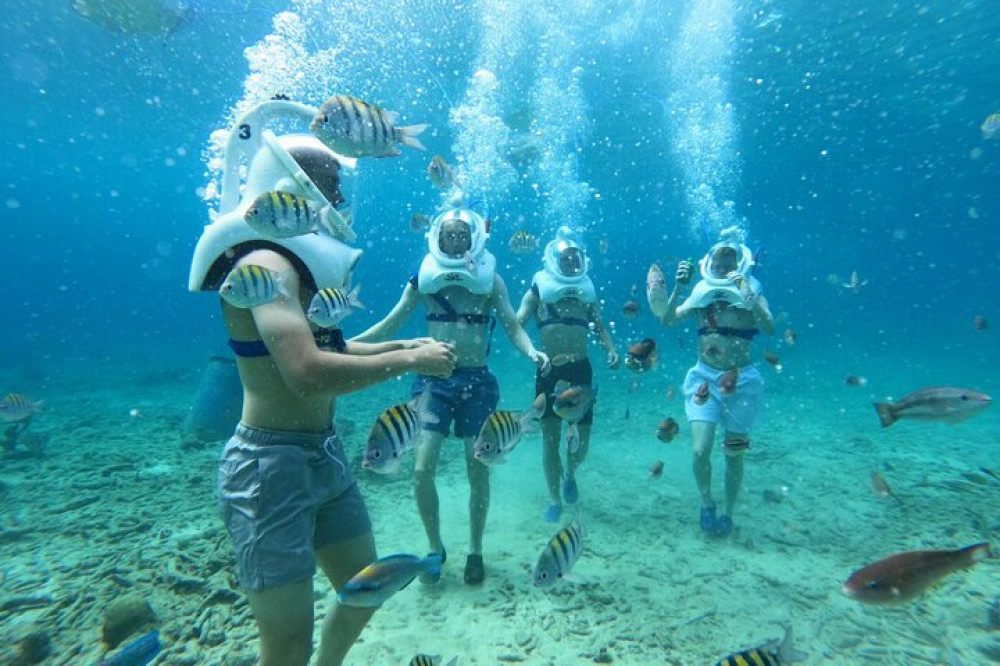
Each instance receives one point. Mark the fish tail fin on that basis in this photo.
(408, 136)
(787, 653)
(432, 564)
(976, 552)
(422, 407)
(353, 298)
(281, 283)
(37, 407)
(885, 413)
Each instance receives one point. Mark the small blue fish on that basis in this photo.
(373, 585)
(137, 653)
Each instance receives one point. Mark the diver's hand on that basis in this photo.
(434, 358)
(741, 283)
(541, 359)
(614, 360)
(417, 342)
(685, 271)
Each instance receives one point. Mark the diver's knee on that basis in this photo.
(423, 477)
(735, 445)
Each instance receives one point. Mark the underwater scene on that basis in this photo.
(549, 333)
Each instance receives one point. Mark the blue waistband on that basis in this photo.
(264, 437)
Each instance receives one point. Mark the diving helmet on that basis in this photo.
(566, 256)
(732, 242)
(297, 163)
(478, 230)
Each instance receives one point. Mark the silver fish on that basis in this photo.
(559, 555)
(278, 214)
(355, 128)
(440, 173)
(395, 433)
(939, 403)
(329, 306)
(15, 407)
(250, 286)
(503, 429)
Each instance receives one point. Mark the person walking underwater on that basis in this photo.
(459, 287)
(723, 387)
(563, 304)
(288, 498)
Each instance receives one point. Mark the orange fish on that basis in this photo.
(789, 337)
(671, 392)
(880, 485)
(701, 395)
(630, 309)
(728, 381)
(900, 578)
(641, 355)
(656, 469)
(773, 359)
(667, 430)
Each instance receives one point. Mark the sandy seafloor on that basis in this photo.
(116, 506)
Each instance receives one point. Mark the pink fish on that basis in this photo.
(946, 404)
(902, 577)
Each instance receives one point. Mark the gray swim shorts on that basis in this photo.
(283, 496)
(736, 412)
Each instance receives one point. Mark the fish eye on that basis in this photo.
(872, 585)
(378, 454)
(963, 397)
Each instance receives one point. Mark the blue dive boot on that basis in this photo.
(552, 514)
(570, 492)
(708, 520)
(723, 526)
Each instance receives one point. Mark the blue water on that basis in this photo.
(842, 136)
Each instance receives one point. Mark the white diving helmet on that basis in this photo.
(566, 257)
(478, 228)
(296, 163)
(714, 286)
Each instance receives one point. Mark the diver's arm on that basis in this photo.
(370, 348)
(762, 313)
(675, 312)
(515, 332)
(394, 320)
(603, 334)
(529, 304)
(310, 372)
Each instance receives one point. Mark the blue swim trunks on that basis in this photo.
(468, 398)
(283, 496)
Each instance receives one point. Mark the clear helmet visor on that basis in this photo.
(566, 256)
(456, 234)
(723, 259)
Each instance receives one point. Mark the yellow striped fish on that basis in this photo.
(355, 128)
(503, 429)
(249, 286)
(559, 555)
(772, 653)
(329, 306)
(15, 407)
(277, 214)
(395, 433)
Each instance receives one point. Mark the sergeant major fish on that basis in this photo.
(279, 214)
(15, 407)
(395, 433)
(376, 583)
(431, 660)
(329, 306)
(503, 430)
(559, 555)
(946, 404)
(769, 654)
(440, 173)
(522, 242)
(355, 128)
(250, 286)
